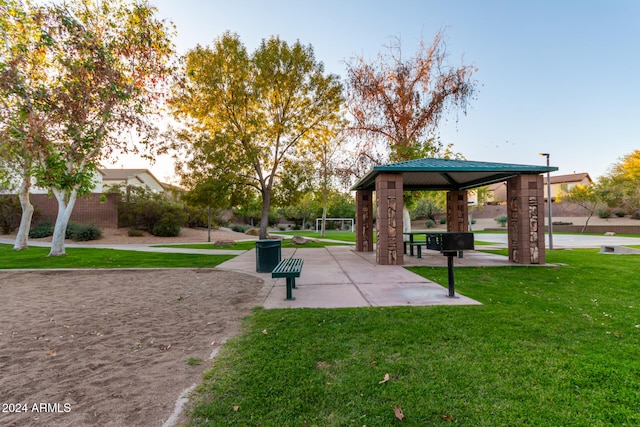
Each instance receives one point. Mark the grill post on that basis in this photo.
(450, 256)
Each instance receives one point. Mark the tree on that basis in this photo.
(325, 159)
(397, 104)
(24, 118)
(106, 69)
(305, 209)
(585, 196)
(247, 114)
(621, 186)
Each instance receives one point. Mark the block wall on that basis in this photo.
(87, 210)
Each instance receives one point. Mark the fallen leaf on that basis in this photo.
(264, 331)
(52, 352)
(638, 326)
(386, 378)
(374, 363)
(447, 417)
(165, 347)
(398, 411)
(236, 408)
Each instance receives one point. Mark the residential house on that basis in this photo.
(498, 193)
(131, 177)
(563, 183)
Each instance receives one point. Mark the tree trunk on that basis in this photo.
(64, 213)
(264, 220)
(27, 215)
(406, 223)
(587, 222)
(323, 226)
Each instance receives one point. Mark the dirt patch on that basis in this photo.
(111, 348)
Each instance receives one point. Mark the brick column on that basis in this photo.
(525, 202)
(457, 211)
(389, 203)
(364, 221)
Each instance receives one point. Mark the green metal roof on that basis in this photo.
(442, 174)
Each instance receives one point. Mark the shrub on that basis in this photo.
(198, 217)
(140, 208)
(430, 223)
(502, 220)
(83, 233)
(252, 232)
(620, 213)
(43, 229)
(10, 213)
(443, 220)
(166, 228)
(240, 228)
(76, 232)
(73, 229)
(425, 208)
(133, 232)
(604, 213)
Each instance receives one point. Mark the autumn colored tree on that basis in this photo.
(245, 115)
(103, 73)
(397, 103)
(621, 185)
(23, 113)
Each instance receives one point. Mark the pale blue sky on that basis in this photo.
(554, 76)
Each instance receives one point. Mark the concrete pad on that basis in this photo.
(611, 249)
(315, 296)
(337, 276)
(410, 294)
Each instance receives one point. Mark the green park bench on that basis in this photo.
(289, 268)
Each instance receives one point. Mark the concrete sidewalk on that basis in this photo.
(337, 276)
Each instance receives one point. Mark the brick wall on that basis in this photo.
(87, 210)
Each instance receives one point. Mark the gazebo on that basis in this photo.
(525, 203)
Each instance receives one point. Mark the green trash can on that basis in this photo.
(268, 255)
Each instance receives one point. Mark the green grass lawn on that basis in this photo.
(36, 257)
(239, 246)
(344, 236)
(245, 246)
(549, 347)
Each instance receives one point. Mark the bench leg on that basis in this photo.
(404, 247)
(419, 251)
(291, 284)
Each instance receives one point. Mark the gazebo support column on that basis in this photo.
(364, 221)
(525, 204)
(457, 211)
(389, 204)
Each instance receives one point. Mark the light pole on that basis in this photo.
(549, 201)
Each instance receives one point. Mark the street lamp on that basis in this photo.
(549, 201)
